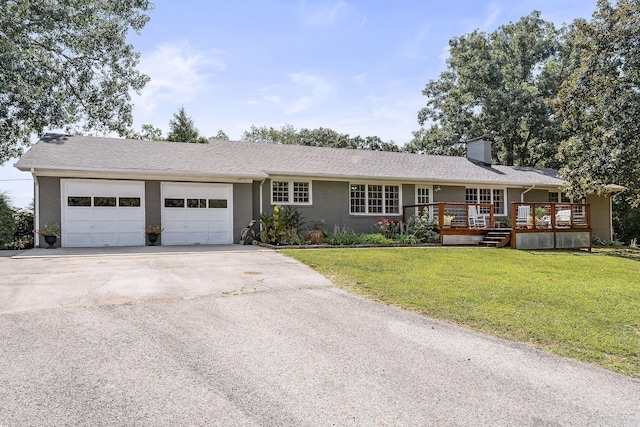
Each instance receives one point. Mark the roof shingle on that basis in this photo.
(257, 161)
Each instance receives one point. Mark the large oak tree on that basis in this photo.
(498, 85)
(67, 65)
(600, 102)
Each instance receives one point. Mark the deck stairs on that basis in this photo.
(497, 238)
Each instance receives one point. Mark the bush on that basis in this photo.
(423, 228)
(406, 239)
(23, 234)
(7, 222)
(387, 227)
(282, 226)
(345, 238)
(376, 239)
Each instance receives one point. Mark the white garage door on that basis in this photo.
(102, 213)
(197, 213)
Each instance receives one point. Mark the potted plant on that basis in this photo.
(153, 231)
(540, 214)
(316, 235)
(447, 220)
(50, 234)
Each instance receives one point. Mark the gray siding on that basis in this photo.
(50, 209)
(600, 216)
(153, 205)
(242, 208)
(448, 193)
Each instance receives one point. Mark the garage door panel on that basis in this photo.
(97, 225)
(199, 224)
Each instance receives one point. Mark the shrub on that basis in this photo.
(7, 222)
(23, 234)
(387, 227)
(406, 239)
(375, 239)
(423, 228)
(345, 238)
(282, 226)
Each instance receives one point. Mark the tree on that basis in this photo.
(147, 133)
(66, 65)
(182, 129)
(221, 136)
(498, 85)
(286, 135)
(7, 221)
(600, 103)
(320, 137)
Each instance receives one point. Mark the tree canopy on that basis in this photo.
(498, 85)
(183, 129)
(600, 103)
(67, 65)
(320, 137)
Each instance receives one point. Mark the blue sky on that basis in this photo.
(357, 67)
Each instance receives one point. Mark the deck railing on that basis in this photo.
(454, 215)
(550, 216)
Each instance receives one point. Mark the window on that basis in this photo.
(374, 199)
(132, 202)
(558, 197)
(78, 201)
(358, 199)
(496, 196)
(218, 203)
(174, 203)
(422, 196)
(196, 203)
(291, 192)
(104, 201)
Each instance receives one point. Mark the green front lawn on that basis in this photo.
(574, 304)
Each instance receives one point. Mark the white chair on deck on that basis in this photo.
(522, 219)
(476, 220)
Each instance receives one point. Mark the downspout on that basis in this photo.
(525, 192)
(261, 183)
(36, 208)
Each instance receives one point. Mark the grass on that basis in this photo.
(574, 304)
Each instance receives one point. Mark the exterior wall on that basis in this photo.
(600, 216)
(447, 193)
(535, 196)
(331, 203)
(242, 208)
(49, 205)
(153, 205)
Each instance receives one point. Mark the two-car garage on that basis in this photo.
(114, 212)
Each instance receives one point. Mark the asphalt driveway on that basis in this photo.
(251, 337)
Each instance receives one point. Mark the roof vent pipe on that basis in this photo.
(479, 150)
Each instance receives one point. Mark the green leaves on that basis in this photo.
(182, 129)
(66, 65)
(600, 103)
(498, 85)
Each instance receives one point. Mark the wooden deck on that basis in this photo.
(532, 225)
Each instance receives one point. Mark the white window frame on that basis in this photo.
(384, 201)
(492, 190)
(290, 191)
(418, 201)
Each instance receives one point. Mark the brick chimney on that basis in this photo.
(479, 150)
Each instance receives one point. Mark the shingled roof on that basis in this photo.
(238, 159)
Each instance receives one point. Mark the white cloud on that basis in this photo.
(317, 87)
(323, 15)
(495, 11)
(301, 92)
(178, 73)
